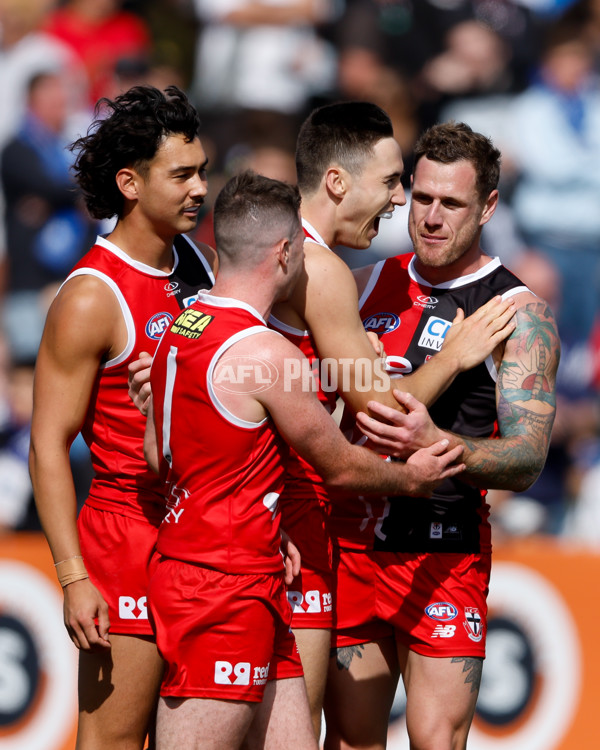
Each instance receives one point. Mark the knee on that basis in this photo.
(439, 737)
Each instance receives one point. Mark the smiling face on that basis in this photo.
(446, 217)
(171, 191)
(374, 191)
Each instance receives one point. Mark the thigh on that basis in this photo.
(283, 718)
(360, 690)
(441, 694)
(118, 690)
(202, 723)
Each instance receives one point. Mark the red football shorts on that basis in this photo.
(310, 598)
(435, 604)
(303, 520)
(222, 636)
(116, 551)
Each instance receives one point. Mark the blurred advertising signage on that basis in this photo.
(38, 662)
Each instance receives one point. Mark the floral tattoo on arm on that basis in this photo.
(526, 404)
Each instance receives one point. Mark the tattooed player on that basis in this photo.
(412, 577)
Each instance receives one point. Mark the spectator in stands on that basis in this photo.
(103, 35)
(47, 228)
(555, 145)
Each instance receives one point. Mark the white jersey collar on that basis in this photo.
(481, 273)
(314, 236)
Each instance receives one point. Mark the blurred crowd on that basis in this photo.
(525, 72)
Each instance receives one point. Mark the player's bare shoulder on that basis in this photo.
(536, 324)
(329, 281)
(87, 313)
(266, 345)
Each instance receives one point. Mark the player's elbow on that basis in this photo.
(523, 478)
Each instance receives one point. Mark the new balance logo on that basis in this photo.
(444, 631)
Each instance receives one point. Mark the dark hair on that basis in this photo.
(253, 212)
(456, 141)
(129, 136)
(343, 134)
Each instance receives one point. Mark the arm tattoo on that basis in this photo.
(472, 666)
(344, 655)
(531, 377)
(526, 404)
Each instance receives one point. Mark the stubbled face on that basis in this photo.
(172, 191)
(376, 191)
(446, 217)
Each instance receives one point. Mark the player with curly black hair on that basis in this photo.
(143, 162)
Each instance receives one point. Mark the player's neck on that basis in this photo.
(144, 246)
(463, 266)
(321, 217)
(250, 292)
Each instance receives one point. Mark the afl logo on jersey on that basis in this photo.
(158, 324)
(382, 322)
(442, 611)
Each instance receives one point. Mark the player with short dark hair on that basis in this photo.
(217, 592)
(412, 576)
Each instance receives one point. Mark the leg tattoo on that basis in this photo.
(472, 666)
(344, 655)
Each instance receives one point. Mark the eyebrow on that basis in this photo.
(188, 167)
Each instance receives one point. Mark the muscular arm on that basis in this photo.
(81, 324)
(526, 405)
(309, 429)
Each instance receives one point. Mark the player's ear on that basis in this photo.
(282, 251)
(126, 180)
(336, 181)
(489, 207)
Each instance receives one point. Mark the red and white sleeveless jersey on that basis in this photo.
(223, 474)
(114, 428)
(303, 485)
(412, 318)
